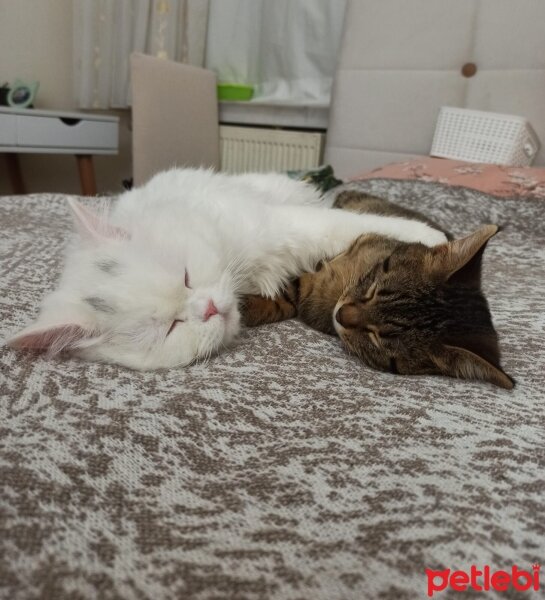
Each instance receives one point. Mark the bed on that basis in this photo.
(283, 468)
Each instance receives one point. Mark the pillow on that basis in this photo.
(528, 182)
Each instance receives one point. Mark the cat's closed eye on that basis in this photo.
(374, 337)
(370, 294)
(389, 335)
(385, 293)
(173, 326)
(370, 275)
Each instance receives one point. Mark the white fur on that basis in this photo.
(233, 234)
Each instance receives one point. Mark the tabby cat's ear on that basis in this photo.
(459, 261)
(464, 364)
(94, 227)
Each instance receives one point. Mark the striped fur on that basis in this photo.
(403, 308)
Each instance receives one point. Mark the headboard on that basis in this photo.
(401, 61)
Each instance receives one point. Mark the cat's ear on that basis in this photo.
(459, 261)
(464, 364)
(50, 338)
(93, 227)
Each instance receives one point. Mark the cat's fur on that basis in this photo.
(156, 282)
(400, 307)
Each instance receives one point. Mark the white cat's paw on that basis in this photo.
(427, 235)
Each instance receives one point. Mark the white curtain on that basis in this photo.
(286, 48)
(107, 31)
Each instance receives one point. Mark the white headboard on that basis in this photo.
(402, 60)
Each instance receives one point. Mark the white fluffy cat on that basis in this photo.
(155, 283)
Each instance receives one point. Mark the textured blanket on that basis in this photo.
(282, 469)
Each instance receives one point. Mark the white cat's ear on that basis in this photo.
(93, 227)
(50, 338)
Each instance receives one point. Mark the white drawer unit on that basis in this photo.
(8, 130)
(42, 131)
(26, 130)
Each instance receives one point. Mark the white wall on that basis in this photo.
(36, 44)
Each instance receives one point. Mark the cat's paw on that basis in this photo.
(426, 235)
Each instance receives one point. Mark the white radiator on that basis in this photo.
(258, 149)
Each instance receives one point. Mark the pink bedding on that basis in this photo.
(491, 179)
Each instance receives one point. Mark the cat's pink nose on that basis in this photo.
(210, 311)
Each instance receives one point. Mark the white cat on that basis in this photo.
(155, 283)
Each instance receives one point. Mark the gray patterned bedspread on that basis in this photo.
(282, 469)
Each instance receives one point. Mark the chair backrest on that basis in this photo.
(174, 116)
(401, 61)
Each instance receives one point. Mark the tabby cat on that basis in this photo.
(399, 307)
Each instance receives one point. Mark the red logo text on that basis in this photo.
(483, 580)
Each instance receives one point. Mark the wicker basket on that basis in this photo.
(484, 137)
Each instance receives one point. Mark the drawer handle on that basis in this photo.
(69, 121)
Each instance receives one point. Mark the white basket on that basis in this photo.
(485, 137)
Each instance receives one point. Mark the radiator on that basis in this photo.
(258, 149)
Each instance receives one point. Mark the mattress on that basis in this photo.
(282, 468)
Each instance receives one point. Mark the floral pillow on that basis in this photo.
(491, 179)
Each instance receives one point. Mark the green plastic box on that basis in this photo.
(235, 91)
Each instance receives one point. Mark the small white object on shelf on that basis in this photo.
(485, 137)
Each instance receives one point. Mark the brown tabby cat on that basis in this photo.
(403, 308)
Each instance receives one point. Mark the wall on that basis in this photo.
(36, 43)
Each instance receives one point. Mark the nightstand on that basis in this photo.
(53, 132)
